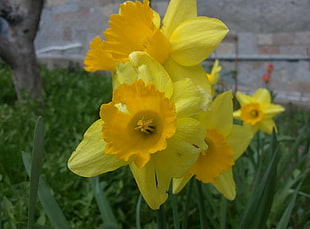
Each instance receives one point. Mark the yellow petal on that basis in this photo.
(89, 159)
(214, 76)
(237, 114)
(262, 95)
(179, 183)
(243, 98)
(225, 184)
(183, 148)
(186, 97)
(153, 184)
(150, 71)
(239, 139)
(219, 116)
(253, 129)
(195, 39)
(124, 73)
(272, 109)
(196, 74)
(177, 12)
(156, 19)
(267, 125)
(97, 58)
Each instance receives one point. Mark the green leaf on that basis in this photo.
(161, 217)
(187, 204)
(288, 211)
(0, 215)
(286, 159)
(201, 205)
(48, 202)
(103, 204)
(175, 212)
(36, 167)
(138, 210)
(223, 212)
(259, 206)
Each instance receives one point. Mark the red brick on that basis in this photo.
(105, 2)
(67, 34)
(302, 38)
(293, 50)
(83, 12)
(283, 38)
(268, 49)
(264, 39)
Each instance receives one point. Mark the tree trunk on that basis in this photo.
(17, 45)
(25, 71)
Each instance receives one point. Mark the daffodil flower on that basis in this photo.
(214, 76)
(226, 143)
(180, 42)
(150, 125)
(257, 111)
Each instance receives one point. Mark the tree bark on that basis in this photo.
(17, 45)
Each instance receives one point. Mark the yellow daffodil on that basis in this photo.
(182, 39)
(149, 125)
(257, 111)
(226, 142)
(214, 76)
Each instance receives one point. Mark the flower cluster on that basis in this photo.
(164, 120)
(266, 77)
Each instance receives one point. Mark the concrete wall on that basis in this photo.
(261, 32)
(263, 16)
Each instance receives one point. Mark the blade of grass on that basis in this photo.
(103, 203)
(175, 212)
(109, 226)
(283, 223)
(201, 206)
(138, 209)
(223, 212)
(53, 211)
(286, 159)
(36, 167)
(161, 217)
(259, 206)
(0, 215)
(187, 203)
(212, 205)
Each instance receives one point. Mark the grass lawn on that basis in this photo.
(71, 103)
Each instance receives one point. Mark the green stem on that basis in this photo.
(0, 216)
(201, 206)
(138, 220)
(161, 218)
(188, 200)
(175, 211)
(223, 212)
